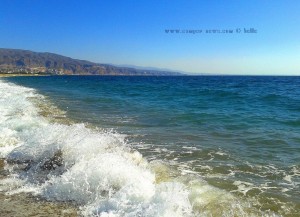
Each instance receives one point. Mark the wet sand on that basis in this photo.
(23, 205)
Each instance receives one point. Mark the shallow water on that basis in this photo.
(155, 146)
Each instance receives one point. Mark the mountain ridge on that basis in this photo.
(17, 61)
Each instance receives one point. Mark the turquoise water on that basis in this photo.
(239, 135)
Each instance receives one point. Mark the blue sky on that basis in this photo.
(133, 32)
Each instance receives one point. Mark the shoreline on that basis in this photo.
(19, 75)
(20, 205)
(25, 204)
(237, 188)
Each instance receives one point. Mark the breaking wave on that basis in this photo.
(96, 169)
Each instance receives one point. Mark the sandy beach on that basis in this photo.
(23, 205)
(14, 75)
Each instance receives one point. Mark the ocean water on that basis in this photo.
(154, 146)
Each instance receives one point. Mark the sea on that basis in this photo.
(139, 146)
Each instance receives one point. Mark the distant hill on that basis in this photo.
(13, 61)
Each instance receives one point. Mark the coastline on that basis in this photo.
(234, 190)
(21, 205)
(19, 75)
(24, 204)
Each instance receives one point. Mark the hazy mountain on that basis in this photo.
(13, 61)
(147, 68)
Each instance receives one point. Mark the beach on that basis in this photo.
(148, 146)
(27, 205)
(19, 75)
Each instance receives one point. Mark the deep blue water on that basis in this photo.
(228, 129)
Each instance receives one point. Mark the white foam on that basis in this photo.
(10, 184)
(220, 153)
(98, 171)
(243, 187)
(168, 200)
(288, 178)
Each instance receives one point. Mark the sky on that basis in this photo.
(136, 33)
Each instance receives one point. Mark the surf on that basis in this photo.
(96, 169)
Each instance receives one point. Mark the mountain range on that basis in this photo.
(15, 61)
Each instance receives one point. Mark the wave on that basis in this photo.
(96, 169)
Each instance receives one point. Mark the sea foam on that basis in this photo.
(98, 171)
(94, 169)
